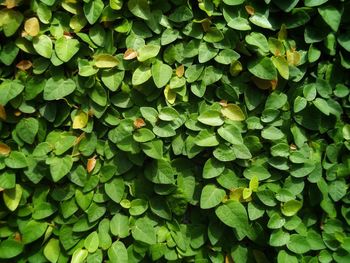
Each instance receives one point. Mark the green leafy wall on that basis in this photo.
(174, 131)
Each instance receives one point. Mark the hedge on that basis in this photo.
(174, 131)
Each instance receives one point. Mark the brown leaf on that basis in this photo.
(180, 71)
(18, 237)
(228, 259)
(91, 163)
(130, 54)
(78, 140)
(17, 113)
(4, 149)
(2, 113)
(250, 10)
(24, 65)
(139, 122)
(223, 103)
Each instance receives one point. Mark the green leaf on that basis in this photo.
(272, 133)
(10, 21)
(153, 149)
(52, 250)
(211, 118)
(79, 255)
(115, 189)
(141, 75)
(312, 3)
(161, 73)
(331, 15)
(168, 114)
(12, 197)
(27, 129)
(16, 160)
(140, 8)
(258, 41)
(56, 89)
(143, 135)
(213, 168)
(291, 207)
(146, 52)
(160, 172)
(66, 48)
(263, 68)
(281, 65)
(91, 242)
(105, 61)
(206, 138)
(118, 253)
(298, 244)
(10, 89)
(213, 35)
(32, 231)
(256, 172)
(60, 167)
(93, 10)
(233, 112)
(211, 196)
(231, 134)
(233, 214)
(144, 231)
(10, 248)
(233, 2)
(119, 225)
(43, 45)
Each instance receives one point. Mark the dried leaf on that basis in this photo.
(3, 115)
(4, 149)
(130, 54)
(91, 163)
(180, 71)
(250, 10)
(24, 65)
(139, 122)
(10, 3)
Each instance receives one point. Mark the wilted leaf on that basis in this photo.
(32, 26)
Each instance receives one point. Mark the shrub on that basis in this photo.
(180, 131)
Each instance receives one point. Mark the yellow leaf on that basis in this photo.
(80, 120)
(105, 61)
(282, 66)
(246, 193)
(91, 163)
(2, 113)
(235, 68)
(233, 112)
(254, 183)
(282, 34)
(170, 96)
(32, 26)
(237, 194)
(293, 57)
(11, 3)
(180, 71)
(4, 149)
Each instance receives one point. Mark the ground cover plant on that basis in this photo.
(174, 131)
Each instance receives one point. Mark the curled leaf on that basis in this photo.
(130, 54)
(24, 65)
(250, 10)
(139, 123)
(170, 96)
(91, 163)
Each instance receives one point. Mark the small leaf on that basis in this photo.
(43, 45)
(130, 54)
(254, 183)
(91, 163)
(263, 68)
(80, 120)
(12, 197)
(27, 129)
(141, 75)
(10, 248)
(24, 65)
(211, 196)
(161, 73)
(79, 256)
(146, 52)
(66, 48)
(144, 231)
(32, 26)
(60, 167)
(282, 66)
(211, 118)
(4, 149)
(52, 250)
(105, 61)
(233, 112)
(115, 189)
(291, 207)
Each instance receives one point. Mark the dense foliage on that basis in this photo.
(174, 131)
